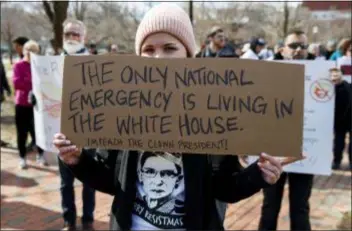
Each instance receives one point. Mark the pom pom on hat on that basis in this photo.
(169, 18)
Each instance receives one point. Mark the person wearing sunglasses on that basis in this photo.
(300, 185)
(216, 45)
(296, 45)
(73, 40)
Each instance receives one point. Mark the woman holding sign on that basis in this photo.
(161, 190)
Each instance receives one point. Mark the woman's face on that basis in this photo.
(163, 45)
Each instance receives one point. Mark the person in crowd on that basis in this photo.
(245, 48)
(216, 41)
(114, 49)
(73, 44)
(18, 44)
(162, 185)
(24, 115)
(314, 49)
(300, 185)
(93, 48)
(255, 47)
(342, 119)
(238, 50)
(345, 62)
(266, 54)
(330, 49)
(278, 47)
(217, 46)
(277, 50)
(338, 53)
(4, 86)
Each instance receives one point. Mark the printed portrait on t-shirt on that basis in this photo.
(160, 192)
(159, 180)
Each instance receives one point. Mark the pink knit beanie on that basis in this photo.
(169, 18)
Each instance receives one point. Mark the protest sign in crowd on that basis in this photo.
(173, 136)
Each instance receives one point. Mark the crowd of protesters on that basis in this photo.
(208, 190)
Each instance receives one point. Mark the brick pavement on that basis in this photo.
(30, 199)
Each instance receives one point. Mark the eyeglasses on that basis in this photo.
(166, 174)
(73, 34)
(294, 46)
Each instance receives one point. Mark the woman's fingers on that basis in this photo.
(272, 168)
(60, 143)
(59, 136)
(269, 176)
(68, 149)
(289, 160)
(68, 152)
(274, 161)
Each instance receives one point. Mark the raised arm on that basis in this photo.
(231, 183)
(96, 171)
(88, 165)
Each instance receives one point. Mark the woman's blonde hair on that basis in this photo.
(31, 46)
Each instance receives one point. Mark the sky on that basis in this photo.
(142, 6)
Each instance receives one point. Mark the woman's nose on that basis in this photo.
(159, 54)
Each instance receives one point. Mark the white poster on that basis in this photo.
(319, 104)
(47, 72)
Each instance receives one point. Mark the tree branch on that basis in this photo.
(48, 11)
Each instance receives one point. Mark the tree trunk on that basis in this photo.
(60, 9)
(57, 15)
(10, 37)
(286, 19)
(9, 43)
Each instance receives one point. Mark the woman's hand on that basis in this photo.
(271, 167)
(68, 152)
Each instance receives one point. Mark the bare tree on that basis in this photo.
(56, 12)
(10, 25)
(112, 22)
(286, 19)
(8, 35)
(80, 9)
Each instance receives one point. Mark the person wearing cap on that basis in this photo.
(300, 184)
(162, 190)
(216, 45)
(255, 47)
(73, 44)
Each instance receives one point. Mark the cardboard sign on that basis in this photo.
(214, 106)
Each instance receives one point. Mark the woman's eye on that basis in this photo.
(170, 49)
(148, 50)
